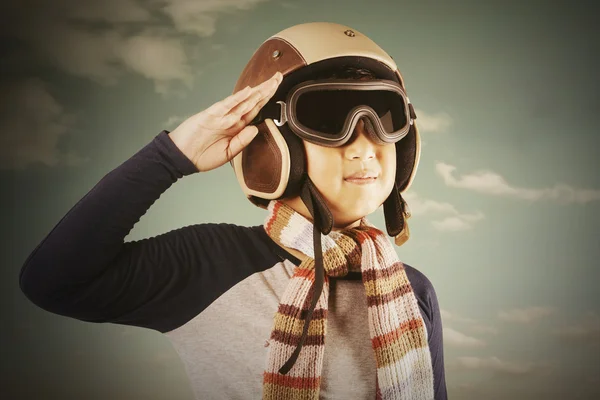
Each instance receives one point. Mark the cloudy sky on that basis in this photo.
(505, 203)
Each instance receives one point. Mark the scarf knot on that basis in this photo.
(341, 249)
(343, 254)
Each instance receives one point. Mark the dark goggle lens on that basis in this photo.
(326, 111)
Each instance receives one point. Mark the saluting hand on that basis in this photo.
(217, 134)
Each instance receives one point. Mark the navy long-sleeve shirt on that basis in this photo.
(212, 289)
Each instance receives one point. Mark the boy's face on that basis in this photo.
(331, 169)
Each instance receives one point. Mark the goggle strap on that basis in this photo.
(411, 110)
(270, 110)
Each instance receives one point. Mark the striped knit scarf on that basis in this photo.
(397, 331)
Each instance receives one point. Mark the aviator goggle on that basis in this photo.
(325, 112)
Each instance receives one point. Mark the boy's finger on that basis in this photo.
(224, 106)
(246, 105)
(249, 116)
(241, 140)
(266, 88)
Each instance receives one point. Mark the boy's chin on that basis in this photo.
(349, 214)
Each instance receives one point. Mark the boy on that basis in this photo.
(312, 304)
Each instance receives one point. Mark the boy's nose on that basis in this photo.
(360, 145)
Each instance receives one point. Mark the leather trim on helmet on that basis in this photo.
(263, 64)
(263, 167)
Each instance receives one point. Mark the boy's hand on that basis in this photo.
(215, 135)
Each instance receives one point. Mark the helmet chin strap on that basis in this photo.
(316, 205)
(322, 223)
(396, 214)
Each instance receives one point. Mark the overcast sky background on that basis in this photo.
(506, 200)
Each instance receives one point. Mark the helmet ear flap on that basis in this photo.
(408, 151)
(263, 166)
(395, 209)
(271, 166)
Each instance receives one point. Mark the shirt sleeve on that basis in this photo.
(429, 306)
(83, 268)
(436, 345)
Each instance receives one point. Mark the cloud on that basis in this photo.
(457, 339)
(420, 206)
(525, 315)
(102, 41)
(439, 122)
(454, 222)
(200, 17)
(31, 125)
(488, 182)
(289, 5)
(111, 11)
(473, 325)
(162, 60)
(97, 41)
(447, 316)
(586, 331)
(66, 35)
(460, 222)
(427, 243)
(496, 365)
(173, 121)
(485, 329)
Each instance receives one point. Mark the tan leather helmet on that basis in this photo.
(272, 166)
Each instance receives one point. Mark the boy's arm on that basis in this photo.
(430, 309)
(83, 269)
(436, 345)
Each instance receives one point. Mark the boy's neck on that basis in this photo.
(298, 205)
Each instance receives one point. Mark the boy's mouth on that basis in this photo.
(362, 177)
(361, 181)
